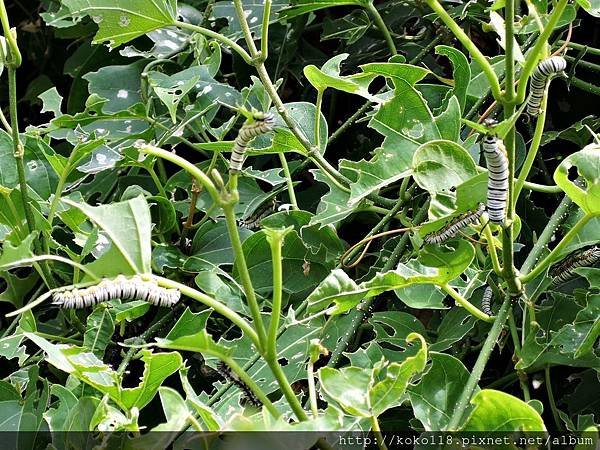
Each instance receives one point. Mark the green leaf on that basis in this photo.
(350, 28)
(11, 255)
(435, 398)
(333, 207)
(190, 334)
(121, 95)
(39, 173)
(370, 392)
(591, 6)
(462, 72)
(51, 101)
(99, 329)
(406, 122)
(299, 7)
(586, 164)
(579, 337)
(337, 288)
(439, 165)
(253, 10)
(329, 77)
(120, 21)
(295, 258)
(86, 367)
(498, 411)
(128, 226)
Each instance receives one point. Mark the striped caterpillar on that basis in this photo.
(546, 69)
(563, 271)
(225, 371)
(452, 229)
(486, 301)
(497, 165)
(253, 221)
(121, 287)
(263, 123)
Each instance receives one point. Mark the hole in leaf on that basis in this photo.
(282, 362)
(573, 173)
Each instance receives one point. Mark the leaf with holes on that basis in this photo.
(120, 21)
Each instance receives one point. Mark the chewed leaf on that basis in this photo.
(586, 191)
(120, 21)
(128, 226)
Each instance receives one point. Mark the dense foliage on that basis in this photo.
(358, 119)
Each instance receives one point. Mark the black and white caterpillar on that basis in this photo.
(252, 222)
(542, 74)
(263, 123)
(225, 371)
(497, 165)
(486, 301)
(563, 271)
(452, 229)
(134, 288)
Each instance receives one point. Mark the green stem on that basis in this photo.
(479, 366)
(264, 37)
(470, 46)
(382, 27)
(492, 248)
(312, 391)
(551, 399)
(508, 269)
(533, 56)
(13, 59)
(585, 86)
(509, 70)
(285, 387)
(248, 381)
(143, 338)
(514, 333)
(200, 176)
(18, 148)
(551, 257)
(542, 188)
(318, 105)
(533, 150)
(218, 37)
(275, 239)
(240, 262)
(219, 307)
(63, 339)
(5, 123)
(585, 64)
(377, 432)
(472, 309)
(288, 180)
(585, 48)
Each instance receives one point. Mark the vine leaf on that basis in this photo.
(585, 164)
(370, 392)
(86, 367)
(120, 21)
(299, 7)
(128, 226)
(498, 411)
(436, 396)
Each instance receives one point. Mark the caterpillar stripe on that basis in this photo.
(452, 229)
(226, 372)
(563, 271)
(486, 301)
(121, 287)
(253, 221)
(545, 70)
(497, 165)
(263, 123)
